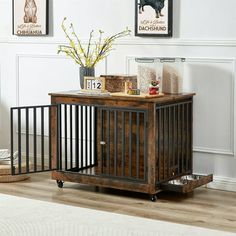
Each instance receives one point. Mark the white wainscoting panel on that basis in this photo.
(0, 96)
(213, 82)
(37, 75)
(223, 183)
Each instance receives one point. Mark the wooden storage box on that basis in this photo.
(116, 83)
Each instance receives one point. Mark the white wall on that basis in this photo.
(204, 33)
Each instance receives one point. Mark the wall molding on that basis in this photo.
(0, 95)
(214, 151)
(18, 57)
(232, 62)
(223, 183)
(128, 41)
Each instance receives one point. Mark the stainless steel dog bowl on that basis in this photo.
(177, 181)
(190, 177)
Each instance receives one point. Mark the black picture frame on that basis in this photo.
(153, 26)
(26, 29)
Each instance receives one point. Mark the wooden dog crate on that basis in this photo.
(136, 144)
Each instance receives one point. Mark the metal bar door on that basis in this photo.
(122, 143)
(35, 137)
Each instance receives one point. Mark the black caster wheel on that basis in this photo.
(153, 197)
(60, 183)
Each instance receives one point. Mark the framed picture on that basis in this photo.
(153, 18)
(94, 83)
(30, 17)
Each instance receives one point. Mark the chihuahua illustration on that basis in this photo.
(30, 11)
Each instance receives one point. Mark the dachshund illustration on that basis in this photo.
(30, 10)
(157, 5)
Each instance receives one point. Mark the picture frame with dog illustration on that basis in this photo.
(153, 18)
(30, 17)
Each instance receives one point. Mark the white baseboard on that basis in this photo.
(223, 183)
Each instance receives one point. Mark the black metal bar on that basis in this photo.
(27, 138)
(145, 145)
(65, 127)
(159, 142)
(25, 107)
(111, 108)
(108, 142)
(12, 144)
(89, 171)
(164, 117)
(50, 138)
(94, 137)
(82, 135)
(173, 139)
(85, 135)
(115, 142)
(71, 136)
(172, 105)
(187, 138)
(130, 144)
(42, 138)
(102, 140)
(191, 136)
(35, 137)
(182, 138)
(123, 143)
(137, 145)
(178, 123)
(90, 136)
(169, 140)
(19, 141)
(77, 137)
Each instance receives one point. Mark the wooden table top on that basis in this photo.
(165, 98)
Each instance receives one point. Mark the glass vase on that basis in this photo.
(85, 71)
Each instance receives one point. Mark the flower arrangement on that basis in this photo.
(94, 52)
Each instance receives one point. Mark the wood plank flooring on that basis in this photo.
(204, 208)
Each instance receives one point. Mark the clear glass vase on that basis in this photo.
(85, 71)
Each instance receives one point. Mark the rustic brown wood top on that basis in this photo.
(165, 98)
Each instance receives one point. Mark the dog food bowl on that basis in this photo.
(178, 181)
(190, 177)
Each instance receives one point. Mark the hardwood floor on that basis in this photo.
(204, 208)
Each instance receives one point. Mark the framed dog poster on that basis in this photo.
(153, 18)
(30, 17)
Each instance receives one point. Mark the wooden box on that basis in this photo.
(116, 83)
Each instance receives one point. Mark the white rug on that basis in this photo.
(26, 217)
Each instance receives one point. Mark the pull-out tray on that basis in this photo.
(187, 183)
